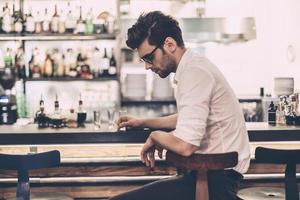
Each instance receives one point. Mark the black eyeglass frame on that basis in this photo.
(148, 58)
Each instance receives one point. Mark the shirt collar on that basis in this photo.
(184, 59)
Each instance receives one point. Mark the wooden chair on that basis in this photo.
(275, 156)
(202, 163)
(24, 163)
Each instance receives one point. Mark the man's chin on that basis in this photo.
(162, 75)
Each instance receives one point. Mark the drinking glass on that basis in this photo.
(97, 119)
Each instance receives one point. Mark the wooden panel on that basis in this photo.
(98, 191)
(133, 169)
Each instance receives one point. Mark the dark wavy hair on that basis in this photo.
(156, 27)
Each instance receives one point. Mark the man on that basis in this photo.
(209, 118)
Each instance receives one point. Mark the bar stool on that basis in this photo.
(275, 156)
(202, 163)
(24, 163)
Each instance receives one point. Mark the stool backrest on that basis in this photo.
(24, 163)
(202, 163)
(289, 157)
(277, 156)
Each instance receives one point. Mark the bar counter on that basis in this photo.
(99, 164)
(30, 134)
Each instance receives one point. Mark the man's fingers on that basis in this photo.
(160, 153)
(151, 159)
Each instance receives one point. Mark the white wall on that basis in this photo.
(251, 65)
(247, 66)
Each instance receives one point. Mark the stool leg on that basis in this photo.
(291, 185)
(202, 186)
(23, 188)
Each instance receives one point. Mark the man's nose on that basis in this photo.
(148, 66)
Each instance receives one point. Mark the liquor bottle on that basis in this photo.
(70, 21)
(6, 20)
(89, 27)
(81, 114)
(272, 114)
(70, 63)
(38, 23)
(61, 23)
(48, 66)
(30, 24)
(40, 117)
(80, 27)
(20, 63)
(280, 115)
(105, 64)
(56, 118)
(55, 21)
(18, 23)
(13, 17)
(72, 119)
(83, 67)
(46, 22)
(96, 60)
(112, 65)
(34, 66)
(8, 58)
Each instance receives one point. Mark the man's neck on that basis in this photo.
(178, 55)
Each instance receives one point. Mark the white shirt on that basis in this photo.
(209, 114)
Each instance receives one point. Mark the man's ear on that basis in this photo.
(170, 44)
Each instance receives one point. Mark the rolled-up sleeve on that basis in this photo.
(194, 92)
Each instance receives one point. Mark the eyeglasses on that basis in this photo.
(148, 58)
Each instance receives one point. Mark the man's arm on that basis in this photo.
(167, 122)
(167, 141)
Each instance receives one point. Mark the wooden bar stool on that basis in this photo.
(275, 156)
(202, 163)
(24, 163)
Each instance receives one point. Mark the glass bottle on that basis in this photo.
(81, 114)
(272, 114)
(46, 22)
(105, 63)
(30, 24)
(112, 64)
(56, 119)
(8, 58)
(70, 21)
(38, 23)
(61, 23)
(280, 115)
(20, 63)
(34, 65)
(40, 116)
(18, 23)
(48, 66)
(6, 20)
(55, 21)
(89, 27)
(80, 27)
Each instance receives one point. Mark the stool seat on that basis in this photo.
(276, 156)
(202, 163)
(46, 196)
(262, 193)
(22, 164)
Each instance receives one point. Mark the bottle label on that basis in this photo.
(272, 117)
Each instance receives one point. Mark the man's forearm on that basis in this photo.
(167, 122)
(169, 142)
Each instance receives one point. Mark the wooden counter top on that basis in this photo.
(30, 134)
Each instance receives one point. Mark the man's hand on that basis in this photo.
(127, 121)
(148, 152)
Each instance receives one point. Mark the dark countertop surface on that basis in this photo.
(30, 134)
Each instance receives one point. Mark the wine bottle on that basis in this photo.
(55, 21)
(112, 64)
